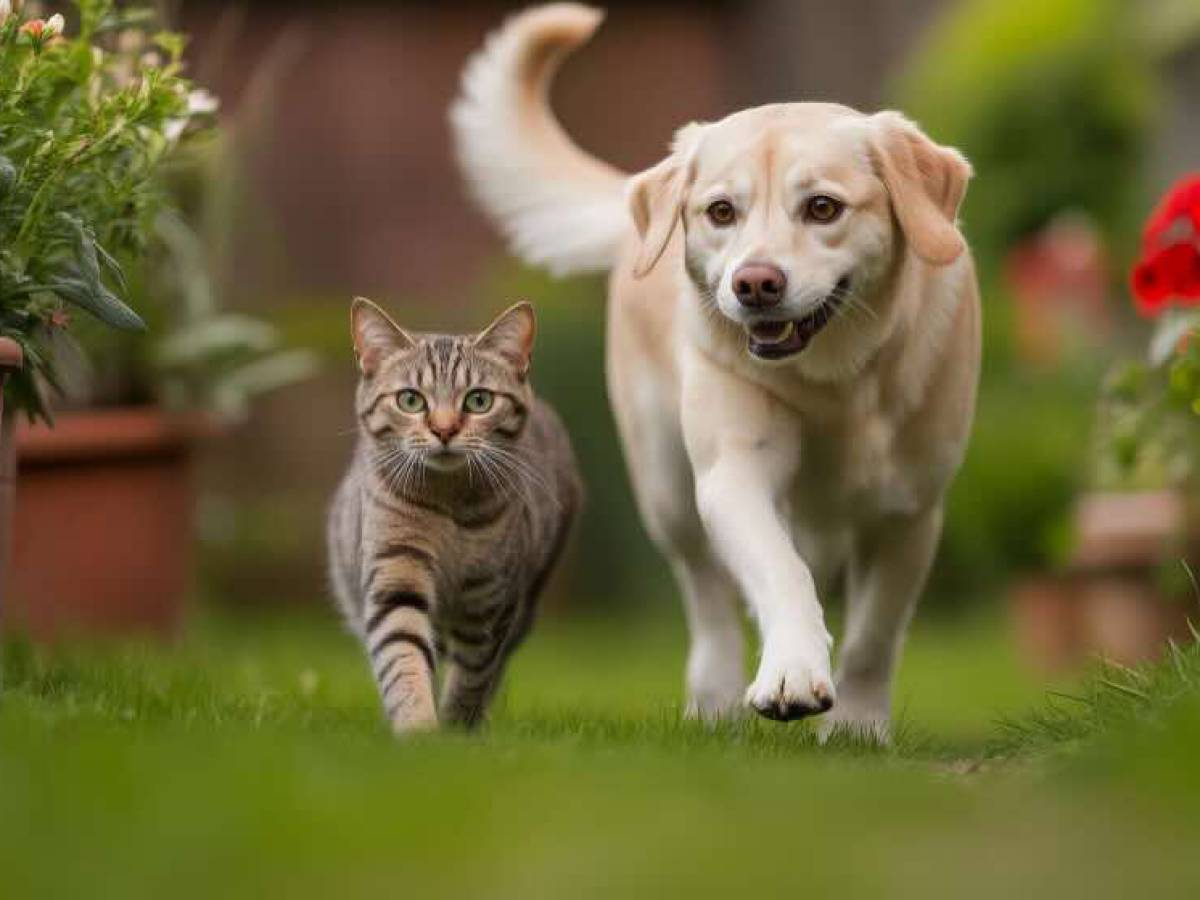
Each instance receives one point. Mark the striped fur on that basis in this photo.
(448, 523)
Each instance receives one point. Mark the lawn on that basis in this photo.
(250, 760)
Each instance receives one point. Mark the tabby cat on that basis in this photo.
(458, 500)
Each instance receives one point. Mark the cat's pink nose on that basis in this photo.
(445, 429)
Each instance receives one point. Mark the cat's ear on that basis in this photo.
(375, 335)
(511, 336)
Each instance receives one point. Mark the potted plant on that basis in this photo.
(1129, 585)
(104, 496)
(11, 360)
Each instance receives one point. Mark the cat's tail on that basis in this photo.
(558, 206)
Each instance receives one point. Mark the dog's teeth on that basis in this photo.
(779, 336)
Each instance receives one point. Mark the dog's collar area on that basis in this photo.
(780, 338)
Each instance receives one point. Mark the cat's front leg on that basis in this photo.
(478, 646)
(399, 639)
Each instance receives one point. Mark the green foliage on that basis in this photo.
(90, 129)
(1008, 508)
(83, 128)
(1050, 99)
(207, 358)
(1149, 423)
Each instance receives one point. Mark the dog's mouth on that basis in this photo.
(781, 338)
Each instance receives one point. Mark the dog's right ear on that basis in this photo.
(926, 182)
(656, 198)
(375, 335)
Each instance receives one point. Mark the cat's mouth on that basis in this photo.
(775, 339)
(446, 459)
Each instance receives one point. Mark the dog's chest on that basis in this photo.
(854, 471)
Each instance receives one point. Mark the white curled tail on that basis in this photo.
(558, 206)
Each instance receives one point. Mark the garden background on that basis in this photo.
(245, 752)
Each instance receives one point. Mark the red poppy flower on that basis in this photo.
(1151, 288)
(1170, 264)
(1171, 272)
(1177, 214)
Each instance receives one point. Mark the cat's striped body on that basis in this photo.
(440, 569)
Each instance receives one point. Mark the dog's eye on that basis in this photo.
(721, 213)
(410, 401)
(822, 209)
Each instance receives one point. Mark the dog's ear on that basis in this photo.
(926, 182)
(511, 336)
(656, 198)
(375, 335)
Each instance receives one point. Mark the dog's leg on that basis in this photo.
(715, 677)
(647, 418)
(887, 573)
(744, 448)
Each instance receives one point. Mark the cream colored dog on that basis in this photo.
(793, 350)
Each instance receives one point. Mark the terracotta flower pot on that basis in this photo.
(10, 360)
(1110, 603)
(105, 505)
(1048, 620)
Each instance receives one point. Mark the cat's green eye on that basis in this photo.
(478, 401)
(410, 401)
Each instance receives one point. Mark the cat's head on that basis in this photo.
(441, 400)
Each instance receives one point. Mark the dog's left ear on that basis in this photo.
(927, 183)
(656, 198)
(511, 336)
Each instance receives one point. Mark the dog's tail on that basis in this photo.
(558, 206)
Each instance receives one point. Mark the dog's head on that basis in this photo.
(795, 214)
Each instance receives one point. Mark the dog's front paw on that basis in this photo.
(793, 681)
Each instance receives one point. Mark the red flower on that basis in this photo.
(1170, 263)
(1151, 290)
(1176, 213)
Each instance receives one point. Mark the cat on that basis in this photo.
(461, 493)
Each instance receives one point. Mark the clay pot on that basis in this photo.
(1049, 622)
(1127, 619)
(10, 360)
(1109, 603)
(105, 503)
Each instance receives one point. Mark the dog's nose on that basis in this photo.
(759, 285)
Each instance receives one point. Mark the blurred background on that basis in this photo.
(333, 176)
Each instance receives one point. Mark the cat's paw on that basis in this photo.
(404, 726)
(793, 679)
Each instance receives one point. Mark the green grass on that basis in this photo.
(250, 760)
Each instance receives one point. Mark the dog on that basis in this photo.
(793, 353)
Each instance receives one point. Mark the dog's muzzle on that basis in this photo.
(780, 338)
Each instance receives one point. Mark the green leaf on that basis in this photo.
(97, 299)
(102, 303)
